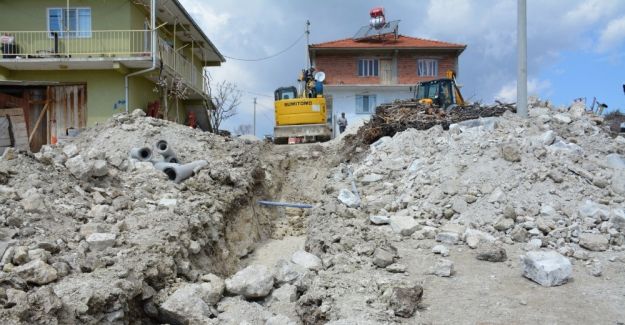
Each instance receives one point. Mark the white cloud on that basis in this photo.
(535, 87)
(612, 35)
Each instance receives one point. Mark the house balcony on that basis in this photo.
(93, 50)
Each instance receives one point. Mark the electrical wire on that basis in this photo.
(270, 56)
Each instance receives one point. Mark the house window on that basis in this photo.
(365, 104)
(76, 22)
(367, 67)
(427, 67)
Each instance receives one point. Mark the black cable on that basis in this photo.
(270, 56)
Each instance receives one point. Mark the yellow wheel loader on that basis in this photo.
(302, 116)
(443, 93)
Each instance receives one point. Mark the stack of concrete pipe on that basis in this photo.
(168, 162)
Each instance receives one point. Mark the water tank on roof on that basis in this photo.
(377, 18)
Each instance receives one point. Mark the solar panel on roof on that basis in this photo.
(369, 31)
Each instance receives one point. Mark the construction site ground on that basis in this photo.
(204, 251)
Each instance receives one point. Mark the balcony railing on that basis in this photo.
(92, 44)
(183, 67)
(118, 44)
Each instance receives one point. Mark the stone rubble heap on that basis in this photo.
(87, 236)
(553, 184)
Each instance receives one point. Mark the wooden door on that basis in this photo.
(386, 73)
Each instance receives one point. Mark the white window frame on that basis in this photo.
(429, 68)
(372, 103)
(72, 34)
(369, 68)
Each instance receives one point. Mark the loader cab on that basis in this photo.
(285, 93)
(438, 92)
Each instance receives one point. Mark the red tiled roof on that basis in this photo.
(388, 42)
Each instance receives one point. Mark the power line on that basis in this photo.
(270, 56)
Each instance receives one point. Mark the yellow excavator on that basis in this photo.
(443, 93)
(302, 115)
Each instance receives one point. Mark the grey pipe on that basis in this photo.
(179, 173)
(285, 204)
(141, 154)
(164, 149)
(161, 165)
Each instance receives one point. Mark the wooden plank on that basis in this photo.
(12, 111)
(41, 115)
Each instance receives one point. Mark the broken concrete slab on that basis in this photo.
(307, 260)
(547, 268)
(404, 225)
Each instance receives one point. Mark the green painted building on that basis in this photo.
(88, 60)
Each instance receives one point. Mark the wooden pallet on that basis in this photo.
(18, 126)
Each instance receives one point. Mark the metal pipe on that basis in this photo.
(521, 84)
(285, 204)
(153, 67)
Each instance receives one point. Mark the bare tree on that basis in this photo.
(243, 129)
(170, 88)
(224, 98)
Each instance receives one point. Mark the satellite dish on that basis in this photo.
(320, 76)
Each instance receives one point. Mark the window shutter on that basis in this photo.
(359, 104)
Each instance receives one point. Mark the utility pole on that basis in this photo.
(308, 63)
(254, 116)
(521, 83)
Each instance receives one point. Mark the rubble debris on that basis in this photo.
(254, 281)
(443, 268)
(404, 225)
(547, 268)
(491, 253)
(404, 300)
(306, 260)
(399, 116)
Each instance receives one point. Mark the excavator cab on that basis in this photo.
(443, 92)
(285, 93)
(438, 92)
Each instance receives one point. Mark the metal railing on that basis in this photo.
(44, 44)
(183, 67)
(118, 44)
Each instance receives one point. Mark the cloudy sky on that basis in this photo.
(576, 48)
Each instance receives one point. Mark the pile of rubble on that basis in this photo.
(89, 235)
(490, 208)
(399, 116)
(552, 185)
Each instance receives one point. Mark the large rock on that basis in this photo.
(80, 168)
(348, 198)
(99, 168)
(547, 268)
(594, 242)
(562, 118)
(383, 257)
(510, 152)
(404, 225)
(448, 237)
(404, 300)
(618, 181)
(491, 253)
(37, 272)
(191, 303)
(474, 237)
(443, 267)
(618, 219)
(306, 260)
(254, 281)
(287, 272)
(379, 220)
(101, 240)
(286, 293)
(33, 201)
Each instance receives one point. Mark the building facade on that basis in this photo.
(87, 60)
(360, 74)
